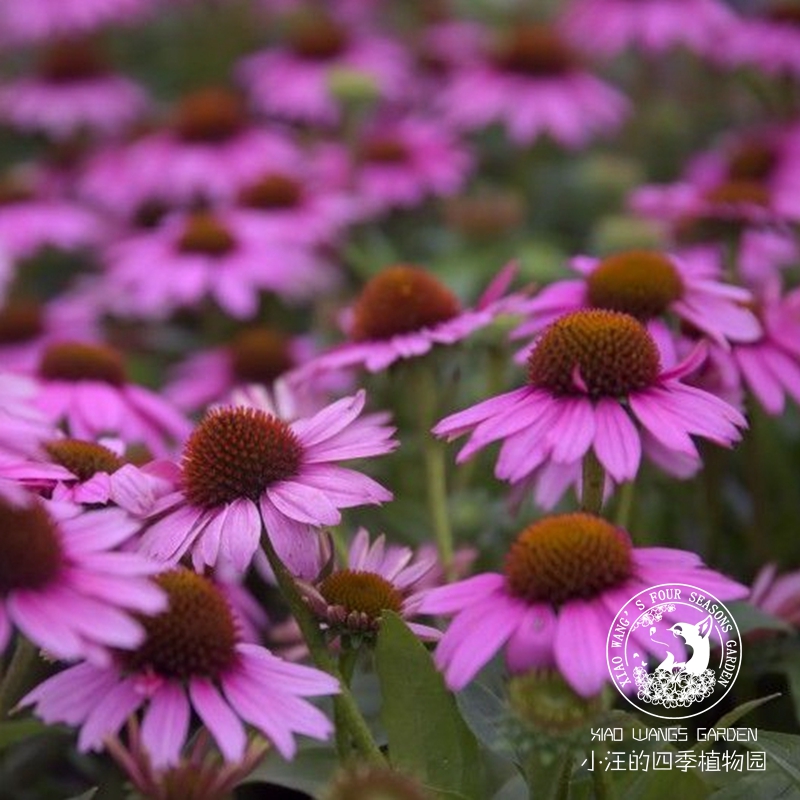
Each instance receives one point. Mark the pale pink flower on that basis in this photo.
(22, 425)
(595, 383)
(565, 580)
(294, 80)
(402, 162)
(534, 86)
(778, 595)
(244, 471)
(607, 27)
(404, 312)
(350, 599)
(208, 256)
(85, 387)
(206, 669)
(74, 92)
(62, 584)
(651, 286)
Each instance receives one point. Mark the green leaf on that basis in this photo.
(309, 772)
(733, 716)
(485, 713)
(14, 731)
(668, 785)
(428, 738)
(749, 618)
(764, 786)
(783, 749)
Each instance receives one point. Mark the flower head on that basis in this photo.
(377, 578)
(592, 376)
(565, 577)
(243, 469)
(190, 660)
(62, 584)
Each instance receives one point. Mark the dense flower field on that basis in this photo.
(399, 399)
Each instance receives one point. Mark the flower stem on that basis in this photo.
(627, 491)
(350, 723)
(22, 673)
(593, 484)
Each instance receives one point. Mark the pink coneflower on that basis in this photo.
(769, 366)
(31, 220)
(649, 285)
(210, 151)
(37, 20)
(256, 355)
(244, 470)
(533, 84)
(293, 80)
(22, 426)
(85, 387)
(192, 660)
(61, 583)
(769, 41)
(778, 595)
(606, 27)
(565, 579)
(403, 312)
(400, 163)
(295, 203)
(204, 255)
(350, 600)
(27, 328)
(595, 381)
(73, 92)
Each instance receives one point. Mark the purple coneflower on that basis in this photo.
(564, 580)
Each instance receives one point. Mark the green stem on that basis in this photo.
(350, 723)
(625, 504)
(19, 676)
(601, 788)
(593, 484)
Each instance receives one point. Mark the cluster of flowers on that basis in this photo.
(133, 521)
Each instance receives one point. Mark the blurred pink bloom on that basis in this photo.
(778, 595)
(61, 583)
(402, 162)
(565, 579)
(85, 387)
(650, 285)
(769, 42)
(403, 312)
(534, 86)
(244, 470)
(207, 670)
(593, 375)
(74, 92)
(22, 426)
(37, 20)
(208, 256)
(378, 577)
(209, 152)
(607, 27)
(294, 80)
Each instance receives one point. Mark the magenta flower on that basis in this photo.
(770, 366)
(404, 161)
(61, 583)
(192, 660)
(403, 312)
(85, 387)
(778, 595)
(203, 255)
(533, 85)
(37, 20)
(22, 426)
(293, 80)
(74, 92)
(595, 382)
(32, 219)
(209, 151)
(244, 470)
(607, 27)
(564, 581)
(350, 600)
(648, 285)
(769, 42)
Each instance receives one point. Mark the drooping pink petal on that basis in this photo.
(166, 724)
